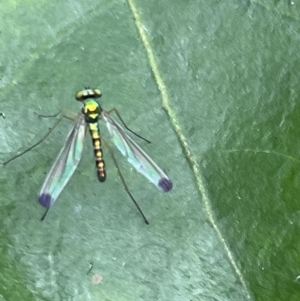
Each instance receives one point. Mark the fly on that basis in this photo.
(69, 157)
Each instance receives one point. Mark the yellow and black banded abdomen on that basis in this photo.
(100, 164)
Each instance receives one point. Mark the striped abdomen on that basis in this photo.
(100, 164)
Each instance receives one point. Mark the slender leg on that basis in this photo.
(124, 182)
(49, 116)
(60, 112)
(119, 116)
(44, 215)
(42, 139)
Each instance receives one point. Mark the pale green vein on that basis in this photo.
(166, 104)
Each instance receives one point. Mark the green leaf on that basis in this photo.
(214, 86)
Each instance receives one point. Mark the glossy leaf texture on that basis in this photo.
(214, 86)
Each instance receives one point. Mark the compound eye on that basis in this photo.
(97, 93)
(79, 95)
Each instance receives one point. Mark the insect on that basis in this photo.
(69, 157)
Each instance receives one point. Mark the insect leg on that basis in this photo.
(41, 140)
(124, 182)
(127, 128)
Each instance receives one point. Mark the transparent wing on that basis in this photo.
(64, 165)
(135, 155)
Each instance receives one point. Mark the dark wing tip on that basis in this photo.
(45, 200)
(165, 184)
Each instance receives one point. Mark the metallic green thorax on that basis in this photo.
(91, 108)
